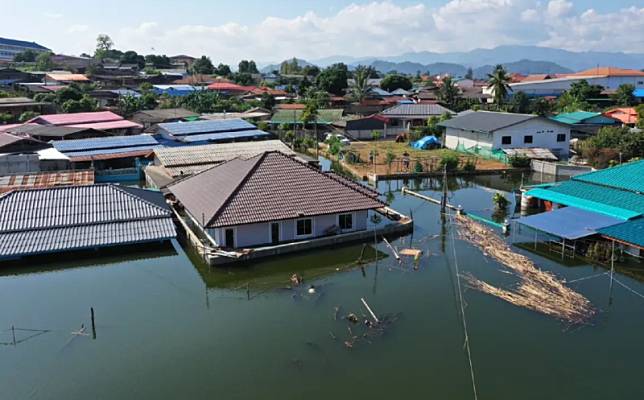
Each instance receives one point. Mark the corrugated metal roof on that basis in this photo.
(202, 127)
(224, 136)
(22, 43)
(160, 115)
(325, 116)
(569, 222)
(108, 154)
(75, 217)
(270, 186)
(103, 126)
(629, 176)
(535, 153)
(630, 232)
(46, 179)
(109, 142)
(410, 110)
(486, 121)
(583, 117)
(77, 118)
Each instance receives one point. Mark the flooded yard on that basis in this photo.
(169, 327)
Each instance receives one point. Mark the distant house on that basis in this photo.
(10, 76)
(101, 120)
(175, 90)
(230, 88)
(150, 118)
(626, 115)
(183, 60)
(363, 128)
(46, 133)
(254, 114)
(111, 97)
(9, 48)
(203, 132)
(584, 123)
(60, 78)
(17, 105)
(171, 163)
(19, 144)
(499, 130)
(270, 199)
(72, 218)
(405, 116)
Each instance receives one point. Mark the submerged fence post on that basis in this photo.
(13, 331)
(91, 309)
(612, 270)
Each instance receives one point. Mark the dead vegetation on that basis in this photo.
(538, 290)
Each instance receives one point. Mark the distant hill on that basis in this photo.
(272, 67)
(525, 67)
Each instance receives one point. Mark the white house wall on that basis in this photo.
(554, 87)
(544, 135)
(468, 138)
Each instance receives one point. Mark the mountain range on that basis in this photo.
(521, 59)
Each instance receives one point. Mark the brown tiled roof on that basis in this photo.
(269, 187)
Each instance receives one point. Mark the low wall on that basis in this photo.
(556, 169)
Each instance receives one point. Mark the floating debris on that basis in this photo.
(538, 290)
(351, 317)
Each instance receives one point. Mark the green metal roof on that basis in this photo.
(629, 232)
(584, 204)
(583, 117)
(629, 176)
(325, 116)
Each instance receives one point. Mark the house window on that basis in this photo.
(506, 139)
(345, 221)
(527, 139)
(304, 227)
(561, 137)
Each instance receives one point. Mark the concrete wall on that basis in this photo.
(250, 235)
(19, 163)
(555, 169)
(468, 138)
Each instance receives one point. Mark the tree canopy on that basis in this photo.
(500, 82)
(333, 79)
(132, 57)
(26, 56)
(448, 93)
(203, 65)
(247, 67)
(395, 81)
(624, 95)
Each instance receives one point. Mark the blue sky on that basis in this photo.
(273, 30)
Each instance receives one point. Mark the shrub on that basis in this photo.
(470, 166)
(519, 161)
(418, 167)
(500, 201)
(449, 160)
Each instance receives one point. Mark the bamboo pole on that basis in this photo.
(373, 315)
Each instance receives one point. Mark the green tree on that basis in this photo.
(640, 116)
(568, 102)
(624, 95)
(290, 67)
(68, 93)
(448, 92)
(43, 62)
(268, 101)
(583, 91)
(132, 57)
(333, 79)
(541, 106)
(27, 115)
(103, 45)
(310, 70)
(223, 70)
(469, 74)
(520, 103)
(26, 56)
(247, 67)
(148, 101)
(499, 80)
(158, 61)
(128, 105)
(360, 88)
(203, 65)
(395, 81)
(243, 78)
(612, 144)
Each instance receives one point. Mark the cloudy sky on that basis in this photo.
(274, 30)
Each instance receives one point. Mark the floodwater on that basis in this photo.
(168, 327)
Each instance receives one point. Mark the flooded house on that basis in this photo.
(74, 218)
(273, 199)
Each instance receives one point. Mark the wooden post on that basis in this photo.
(563, 248)
(248, 290)
(13, 332)
(364, 246)
(91, 309)
(444, 199)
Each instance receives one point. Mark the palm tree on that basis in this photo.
(361, 85)
(499, 80)
(448, 92)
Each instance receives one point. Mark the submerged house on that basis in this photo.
(212, 131)
(271, 199)
(72, 218)
(498, 131)
(608, 204)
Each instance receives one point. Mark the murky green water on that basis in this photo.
(170, 329)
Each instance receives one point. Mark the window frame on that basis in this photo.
(525, 139)
(509, 137)
(353, 225)
(565, 136)
(297, 235)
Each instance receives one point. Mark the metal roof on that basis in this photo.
(201, 127)
(417, 109)
(75, 217)
(583, 117)
(22, 43)
(629, 176)
(535, 153)
(223, 136)
(486, 121)
(109, 142)
(46, 179)
(121, 152)
(290, 116)
(77, 118)
(569, 222)
(631, 232)
(160, 115)
(271, 186)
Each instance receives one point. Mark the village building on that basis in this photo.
(496, 131)
(362, 128)
(10, 143)
(626, 115)
(175, 90)
(11, 76)
(294, 116)
(171, 163)
(583, 123)
(9, 48)
(607, 203)
(18, 105)
(111, 97)
(101, 120)
(254, 114)
(64, 78)
(271, 199)
(47, 133)
(74, 218)
(182, 60)
(405, 116)
(203, 132)
(150, 119)
(42, 180)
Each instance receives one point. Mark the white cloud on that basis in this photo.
(385, 28)
(77, 28)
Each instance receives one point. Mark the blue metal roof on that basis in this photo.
(629, 232)
(223, 136)
(109, 142)
(98, 152)
(201, 127)
(638, 93)
(22, 43)
(570, 222)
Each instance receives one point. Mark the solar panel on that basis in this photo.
(103, 143)
(224, 136)
(212, 126)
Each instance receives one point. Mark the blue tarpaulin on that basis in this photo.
(426, 142)
(569, 222)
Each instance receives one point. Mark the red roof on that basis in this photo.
(76, 118)
(229, 87)
(287, 106)
(47, 179)
(271, 91)
(627, 115)
(609, 71)
(103, 126)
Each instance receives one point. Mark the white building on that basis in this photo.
(498, 131)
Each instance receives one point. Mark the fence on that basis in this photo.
(484, 152)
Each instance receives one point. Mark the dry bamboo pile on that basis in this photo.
(537, 290)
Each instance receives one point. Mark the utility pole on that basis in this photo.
(444, 198)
